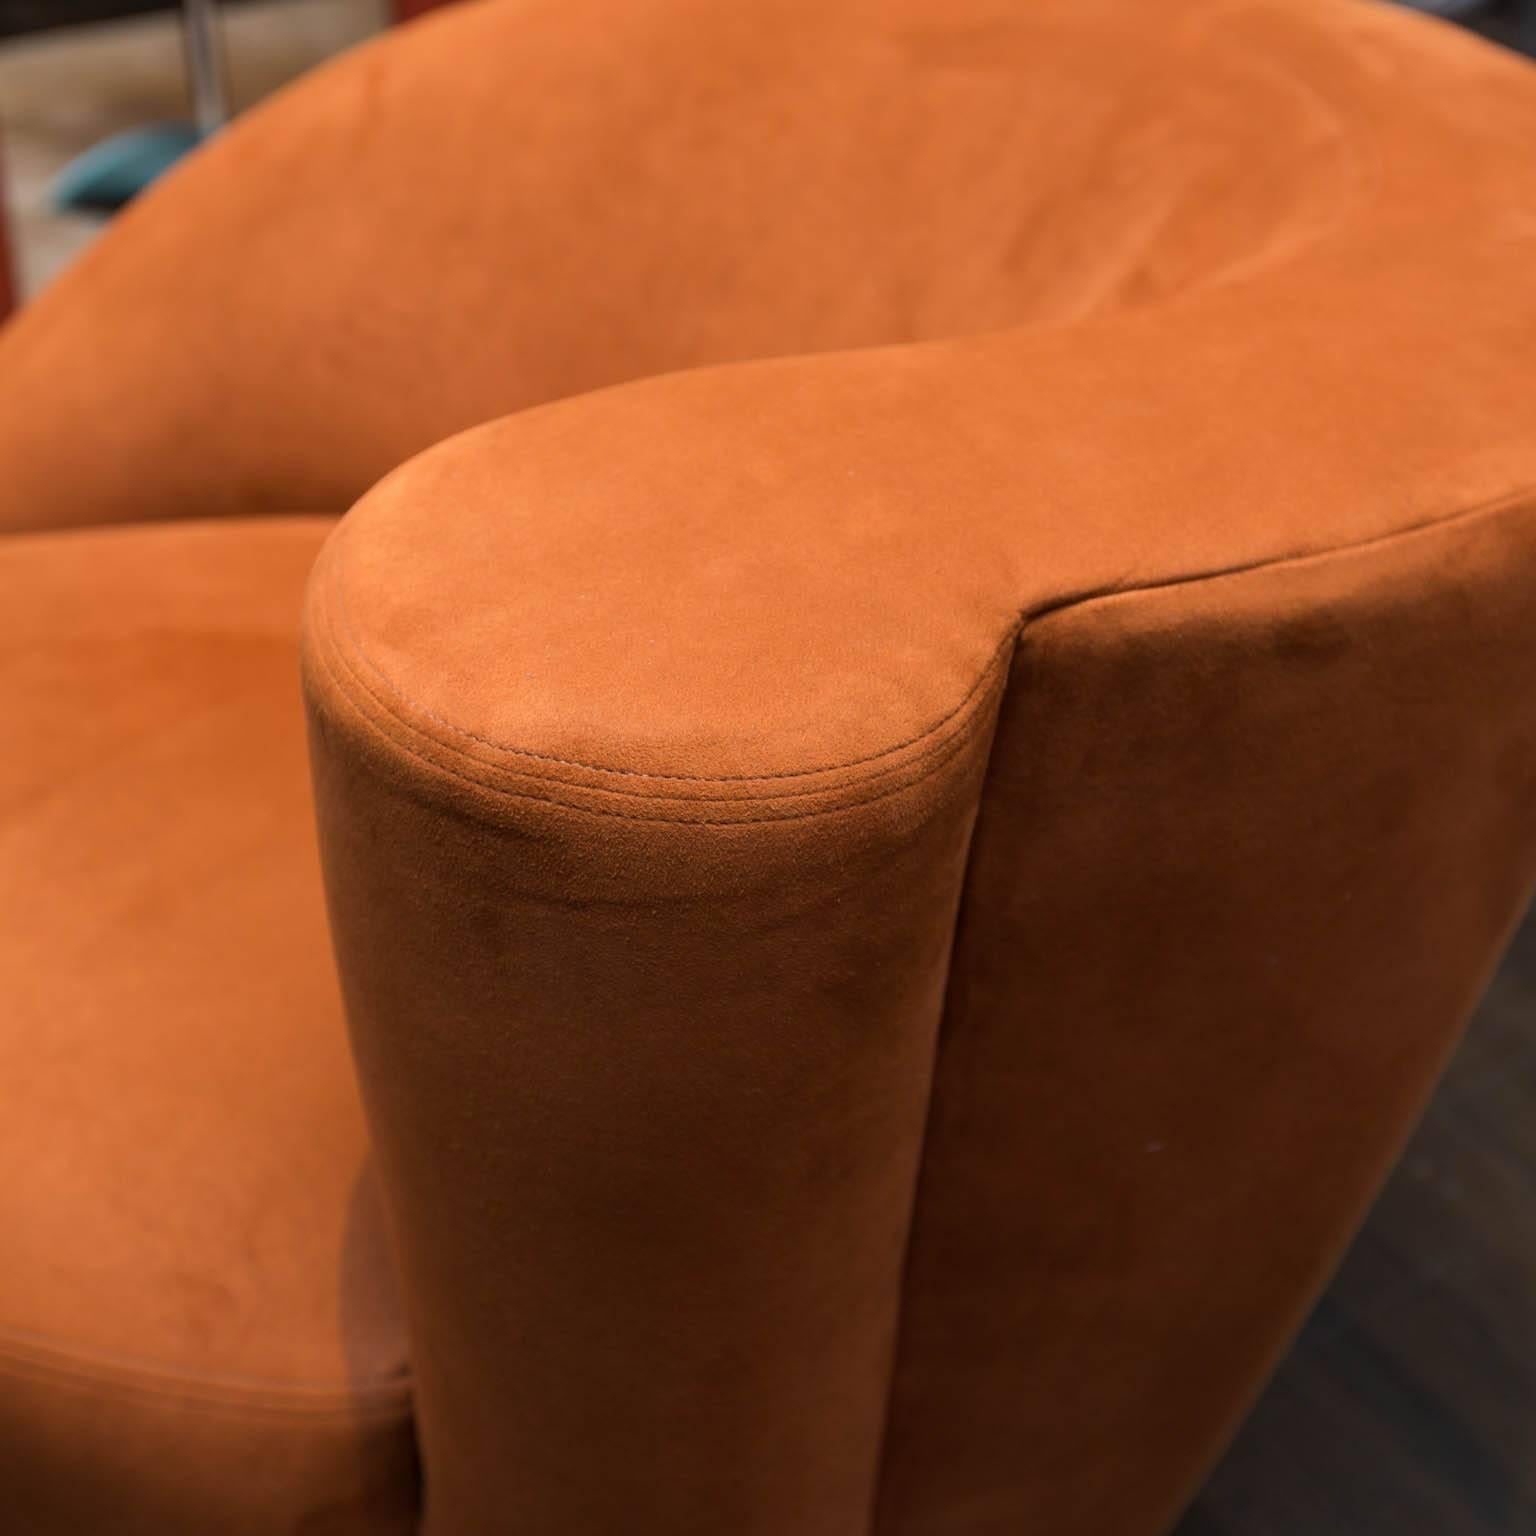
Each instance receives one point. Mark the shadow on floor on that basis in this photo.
(1408, 1406)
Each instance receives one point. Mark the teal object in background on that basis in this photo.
(115, 171)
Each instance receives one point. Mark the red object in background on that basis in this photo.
(406, 9)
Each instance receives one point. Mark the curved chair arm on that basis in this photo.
(651, 731)
(646, 1027)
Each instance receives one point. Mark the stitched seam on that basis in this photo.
(956, 743)
(343, 658)
(139, 1394)
(31, 1347)
(1489, 508)
(105, 1377)
(940, 746)
(343, 623)
(930, 760)
(934, 745)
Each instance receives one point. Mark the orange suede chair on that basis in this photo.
(900, 868)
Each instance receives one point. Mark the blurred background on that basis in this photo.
(74, 73)
(1408, 1407)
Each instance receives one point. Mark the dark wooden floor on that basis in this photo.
(1408, 1407)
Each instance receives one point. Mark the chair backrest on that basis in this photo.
(514, 202)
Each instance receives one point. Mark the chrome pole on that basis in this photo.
(205, 68)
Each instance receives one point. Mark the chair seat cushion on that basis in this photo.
(199, 1327)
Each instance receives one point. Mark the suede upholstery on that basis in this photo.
(899, 875)
(199, 1323)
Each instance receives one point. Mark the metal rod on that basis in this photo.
(205, 67)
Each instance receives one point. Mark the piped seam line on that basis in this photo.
(108, 1377)
(409, 735)
(403, 735)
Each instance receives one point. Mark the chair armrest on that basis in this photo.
(643, 868)
(661, 734)
(650, 731)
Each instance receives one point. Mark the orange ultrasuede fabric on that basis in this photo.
(648, 729)
(199, 1329)
(893, 904)
(1208, 965)
(518, 201)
